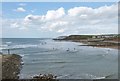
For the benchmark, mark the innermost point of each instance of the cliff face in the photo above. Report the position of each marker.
(11, 65)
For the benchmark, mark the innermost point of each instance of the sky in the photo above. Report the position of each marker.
(53, 19)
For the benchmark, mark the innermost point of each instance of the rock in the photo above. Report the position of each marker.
(11, 66)
(48, 77)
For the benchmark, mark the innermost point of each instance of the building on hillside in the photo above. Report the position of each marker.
(104, 36)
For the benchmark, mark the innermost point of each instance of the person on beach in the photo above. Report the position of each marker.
(68, 49)
(53, 48)
(74, 48)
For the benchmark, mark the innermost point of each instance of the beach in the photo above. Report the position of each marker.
(103, 41)
(101, 44)
(68, 40)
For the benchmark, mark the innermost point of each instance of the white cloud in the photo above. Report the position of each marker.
(61, 30)
(55, 14)
(20, 9)
(23, 28)
(22, 4)
(32, 11)
(77, 20)
(14, 25)
(78, 11)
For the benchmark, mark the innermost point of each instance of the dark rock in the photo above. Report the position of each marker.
(11, 66)
(48, 77)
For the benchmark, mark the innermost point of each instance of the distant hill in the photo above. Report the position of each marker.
(84, 37)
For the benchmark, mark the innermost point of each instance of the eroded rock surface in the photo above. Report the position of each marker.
(11, 66)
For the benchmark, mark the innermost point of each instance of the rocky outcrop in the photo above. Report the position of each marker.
(11, 66)
(48, 77)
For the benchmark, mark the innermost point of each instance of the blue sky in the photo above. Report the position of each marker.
(30, 19)
(42, 7)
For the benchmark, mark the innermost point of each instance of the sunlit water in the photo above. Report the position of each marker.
(65, 59)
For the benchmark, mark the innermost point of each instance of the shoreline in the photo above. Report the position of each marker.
(96, 44)
(103, 41)
(100, 45)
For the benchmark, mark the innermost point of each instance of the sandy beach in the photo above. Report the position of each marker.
(101, 44)
(104, 41)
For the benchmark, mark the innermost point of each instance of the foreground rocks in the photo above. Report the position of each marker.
(11, 66)
(48, 77)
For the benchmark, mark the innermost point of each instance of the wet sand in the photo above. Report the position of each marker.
(101, 44)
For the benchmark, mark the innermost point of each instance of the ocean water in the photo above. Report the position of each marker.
(65, 59)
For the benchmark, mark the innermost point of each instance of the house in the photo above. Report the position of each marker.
(109, 36)
(104, 36)
(96, 36)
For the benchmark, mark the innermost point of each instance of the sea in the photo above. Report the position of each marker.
(65, 59)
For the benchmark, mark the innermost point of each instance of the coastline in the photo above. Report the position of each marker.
(96, 44)
(39, 76)
(102, 41)
(100, 45)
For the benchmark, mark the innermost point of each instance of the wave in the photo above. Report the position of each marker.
(8, 42)
(39, 62)
(25, 46)
(86, 76)
(59, 62)
(22, 46)
(99, 77)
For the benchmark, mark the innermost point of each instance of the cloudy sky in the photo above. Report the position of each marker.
(46, 20)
